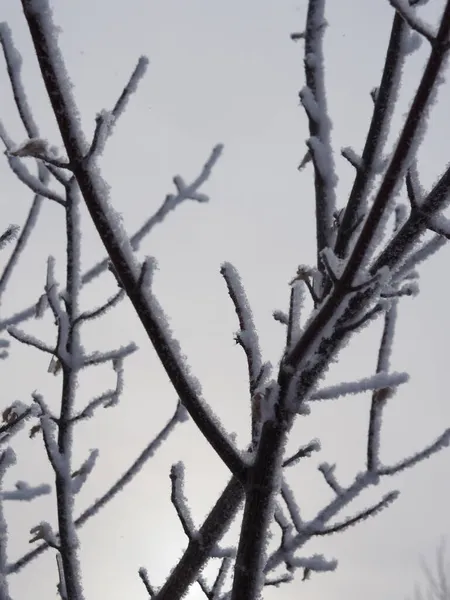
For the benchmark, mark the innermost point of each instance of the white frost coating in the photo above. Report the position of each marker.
(80, 476)
(179, 499)
(419, 256)
(315, 563)
(409, 14)
(296, 306)
(247, 335)
(58, 461)
(32, 182)
(443, 441)
(352, 157)
(292, 505)
(322, 160)
(375, 382)
(309, 103)
(269, 401)
(43, 531)
(24, 492)
(336, 264)
(327, 471)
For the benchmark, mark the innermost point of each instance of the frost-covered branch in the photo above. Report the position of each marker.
(113, 236)
(381, 380)
(385, 502)
(313, 98)
(247, 337)
(407, 13)
(146, 581)
(380, 395)
(303, 452)
(178, 417)
(443, 441)
(385, 100)
(107, 399)
(7, 459)
(179, 501)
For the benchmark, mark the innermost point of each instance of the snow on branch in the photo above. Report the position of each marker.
(327, 471)
(25, 493)
(143, 574)
(32, 182)
(105, 120)
(378, 381)
(443, 441)
(303, 452)
(30, 340)
(315, 563)
(133, 470)
(79, 477)
(8, 235)
(171, 202)
(385, 502)
(13, 61)
(247, 337)
(407, 12)
(179, 501)
(99, 358)
(313, 98)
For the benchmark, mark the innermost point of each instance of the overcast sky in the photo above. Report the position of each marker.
(224, 72)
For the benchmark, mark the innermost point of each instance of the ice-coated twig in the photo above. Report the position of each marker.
(276, 581)
(7, 459)
(146, 581)
(113, 236)
(350, 155)
(303, 452)
(25, 492)
(386, 501)
(51, 446)
(32, 182)
(291, 505)
(443, 441)
(99, 358)
(21, 242)
(44, 531)
(425, 251)
(296, 300)
(107, 399)
(314, 563)
(118, 486)
(13, 61)
(404, 9)
(170, 203)
(14, 422)
(30, 340)
(247, 336)
(384, 103)
(219, 581)
(380, 380)
(179, 501)
(380, 395)
(90, 315)
(329, 476)
(79, 477)
(105, 121)
(62, 590)
(313, 98)
(8, 235)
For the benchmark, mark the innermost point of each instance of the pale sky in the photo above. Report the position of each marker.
(223, 72)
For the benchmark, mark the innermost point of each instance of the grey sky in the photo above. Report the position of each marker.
(225, 72)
